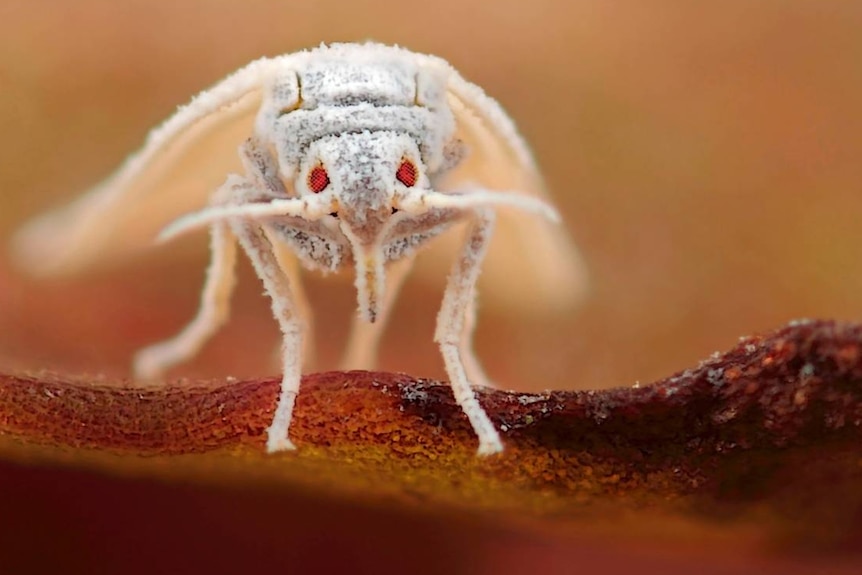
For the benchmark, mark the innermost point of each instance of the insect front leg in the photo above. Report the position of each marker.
(257, 246)
(361, 351)
(291, 268)
(262, 169)
(451, 332)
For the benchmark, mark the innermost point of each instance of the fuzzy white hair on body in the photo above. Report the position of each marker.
(343, 156)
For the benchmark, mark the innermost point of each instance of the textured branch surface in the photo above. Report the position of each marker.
(768, 433)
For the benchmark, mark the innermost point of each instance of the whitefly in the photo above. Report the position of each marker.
(348, 156)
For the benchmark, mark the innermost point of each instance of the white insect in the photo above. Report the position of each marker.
(351, 155)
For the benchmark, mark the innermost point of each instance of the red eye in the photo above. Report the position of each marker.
(407, 173)
(318, 179)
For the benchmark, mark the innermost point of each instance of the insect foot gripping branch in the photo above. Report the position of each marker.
(343, 155)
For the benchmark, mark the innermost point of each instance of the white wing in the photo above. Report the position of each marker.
(532, 265)
(182, 162)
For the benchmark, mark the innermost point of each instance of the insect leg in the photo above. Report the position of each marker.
(450, 332)
(214, 309)
(257, 246)
(472, 366)
(290, 266)
(361, 352)
(262, 167)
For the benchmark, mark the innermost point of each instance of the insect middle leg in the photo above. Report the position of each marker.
(472, 366)
(452, 335)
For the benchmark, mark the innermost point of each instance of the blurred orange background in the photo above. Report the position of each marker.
(705, 157)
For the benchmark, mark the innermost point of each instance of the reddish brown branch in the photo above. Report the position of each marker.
(775, 420)
(799, 385)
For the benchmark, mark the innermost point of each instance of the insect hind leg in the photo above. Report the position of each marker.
(151, 362)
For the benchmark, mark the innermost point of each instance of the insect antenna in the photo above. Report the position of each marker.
(307, 208)
(421, 201)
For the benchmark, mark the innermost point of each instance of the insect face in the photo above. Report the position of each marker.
(363, 177)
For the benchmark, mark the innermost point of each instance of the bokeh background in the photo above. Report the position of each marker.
(705, 157)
